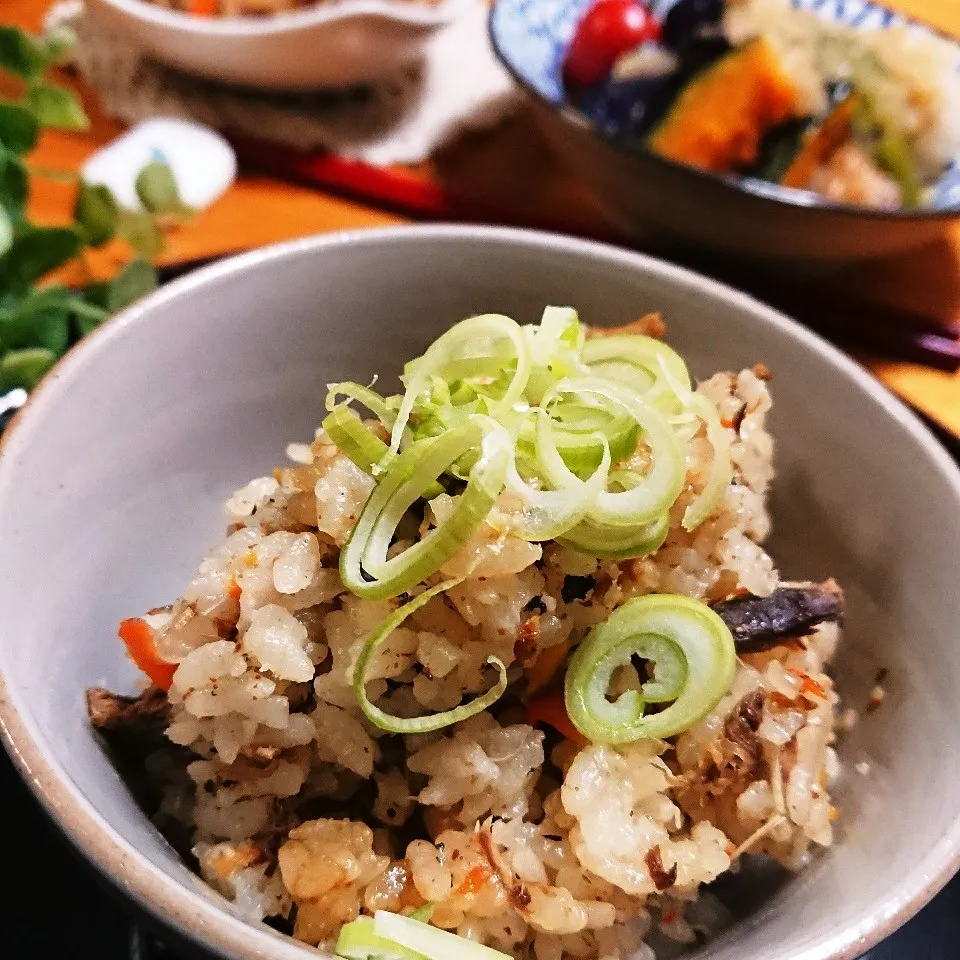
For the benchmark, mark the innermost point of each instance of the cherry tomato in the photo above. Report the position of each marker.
(610, 28)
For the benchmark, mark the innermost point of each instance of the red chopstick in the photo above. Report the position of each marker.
(852, 323)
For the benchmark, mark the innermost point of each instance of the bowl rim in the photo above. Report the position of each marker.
(417, 13)
(770, 194)
(196, 911)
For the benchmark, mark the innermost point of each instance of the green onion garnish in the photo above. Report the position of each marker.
(552, 421)
(436, 721)
(392, 936)
(359, 941)
(694, 660)
(364, 567)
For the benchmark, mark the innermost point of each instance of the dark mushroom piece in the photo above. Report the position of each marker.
(133, 726)
(758, 623)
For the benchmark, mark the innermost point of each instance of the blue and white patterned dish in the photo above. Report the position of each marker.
(531, 37)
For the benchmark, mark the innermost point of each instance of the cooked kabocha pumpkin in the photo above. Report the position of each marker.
(719, 119)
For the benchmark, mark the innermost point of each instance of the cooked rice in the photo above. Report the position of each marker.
(532, 844)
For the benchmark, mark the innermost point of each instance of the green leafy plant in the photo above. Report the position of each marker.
(39, 320)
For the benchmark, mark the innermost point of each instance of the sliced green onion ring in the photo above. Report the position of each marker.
(576, 425)
(643, 363)
(555, 345)
(662, 483)
(721, 469)
(694, 658)
(358, 941)
(359, 445)
(429, 941)
(353, 439)
(617, 543)
(453, 345)
(547, 514)
(401, 485)
(437, 721)
(367, 396)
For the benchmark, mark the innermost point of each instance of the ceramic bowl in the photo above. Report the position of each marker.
(113, 476)
(641, 193)
(330, 45)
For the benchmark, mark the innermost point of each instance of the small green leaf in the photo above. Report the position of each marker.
(18, 128)
(40, 319)
(96, 213)
(6, 231)
(56, 107)
(88, 316)
(13, 185)
(20, 54)
(23, 368)
(157, 188)
(36, 251)
(58, 44)
(137, 279)
(142, 233)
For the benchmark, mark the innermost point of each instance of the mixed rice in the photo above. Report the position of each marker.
(510, 827)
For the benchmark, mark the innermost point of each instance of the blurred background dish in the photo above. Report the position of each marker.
(704, 118)
(248, 8)
(319, 45)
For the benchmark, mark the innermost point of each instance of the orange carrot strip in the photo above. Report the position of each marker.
(234, 590)
(473, 882)
(809, 685)
(551, 710)
(140, 640)
(545, 667)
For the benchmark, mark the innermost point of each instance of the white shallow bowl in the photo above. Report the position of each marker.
(111, 484)
(334, 44)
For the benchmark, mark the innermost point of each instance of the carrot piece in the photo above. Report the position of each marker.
(821, 144)
(140, 640)
(203, 8)
(808, 684)
(551, 710)
(473, 882)
(545, 667)
(234, 590)
(250, 558)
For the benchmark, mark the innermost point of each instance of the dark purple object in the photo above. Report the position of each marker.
(627, 108)
(689, 19)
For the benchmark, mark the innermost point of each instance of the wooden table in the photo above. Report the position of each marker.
(507, 163)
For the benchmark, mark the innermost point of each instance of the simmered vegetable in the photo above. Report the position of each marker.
(718, 121)
(821, 142)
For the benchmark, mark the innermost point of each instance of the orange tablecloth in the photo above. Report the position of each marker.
(506, 163)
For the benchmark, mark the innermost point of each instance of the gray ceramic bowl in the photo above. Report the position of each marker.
(641, 193)
(111, 482)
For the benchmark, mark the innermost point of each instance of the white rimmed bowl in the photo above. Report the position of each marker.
(112, 477)
(337, 44)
